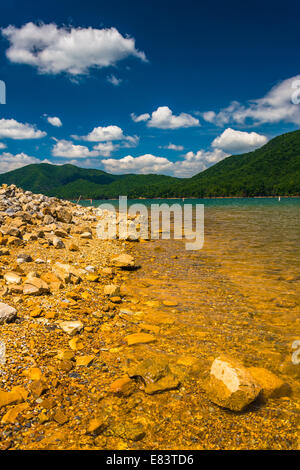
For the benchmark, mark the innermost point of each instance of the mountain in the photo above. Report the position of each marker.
(271, 170)
(69, 182)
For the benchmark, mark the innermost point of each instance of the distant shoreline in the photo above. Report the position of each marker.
(192, 197)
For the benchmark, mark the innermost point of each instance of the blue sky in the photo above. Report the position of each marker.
(145, 87)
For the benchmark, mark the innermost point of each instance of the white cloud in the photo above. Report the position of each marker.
(53, 50)
(108, 134)
(2, 146)
(277, 105)
(54, 121)
(12, 129)
(163, 118)
(171, 146)
(9, 162)
(191, 164)
(66, 149)
(239, 142)
(140, 118)
(143, 164)
(105, 149)
(194, 163)
(114, 80)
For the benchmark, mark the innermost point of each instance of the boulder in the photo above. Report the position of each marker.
(231, 385)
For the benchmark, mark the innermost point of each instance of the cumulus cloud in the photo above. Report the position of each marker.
(171, 146)
(54, 121)
(277, 105)
(114, 80)
(53, 50)
(105, 149)
(191, 163)
(9, 162)
(195, 162)
(12, 129)
(66, 149)
(163, 118)
(143, 164)
(239, 142)
(109, 134)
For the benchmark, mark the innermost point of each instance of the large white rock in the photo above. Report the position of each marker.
(7, 313)
(231, 385)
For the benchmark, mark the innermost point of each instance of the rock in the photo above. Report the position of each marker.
(24, 258)
(16, 395)
(65, 355)
(86, 235)
(39, 261)
(67, 273)
(58, 243)
(35, 286)
(48, 219)
(52, 280)
(170, 303)
(134, 431)
(4, 252)
(71, 327)
(29, 237)
(123, 387)
(112, 290)
(75, 344)
(84, 360)
(60, 233)
(271, 385)
(123, 261)
(92, 277)
(73, 247)
(231, 385)
(60, 417)
(90, 269)
(139, 338)
(12, 278)
(33, 373)
(7, 313)
(97, 425)
(115, 300)
(13, 413)
(63, 215)
(37, 388)
(155, 375)
(66, 365)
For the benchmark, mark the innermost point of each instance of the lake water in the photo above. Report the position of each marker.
(239, 296)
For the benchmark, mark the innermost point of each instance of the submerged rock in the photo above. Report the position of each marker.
(155, 375)
(272, 386)
(231, 385)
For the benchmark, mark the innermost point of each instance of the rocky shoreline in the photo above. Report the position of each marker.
(77, 368)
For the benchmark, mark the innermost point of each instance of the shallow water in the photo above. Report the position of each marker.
(239, 295)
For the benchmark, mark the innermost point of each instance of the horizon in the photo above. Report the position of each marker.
(129, 95)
